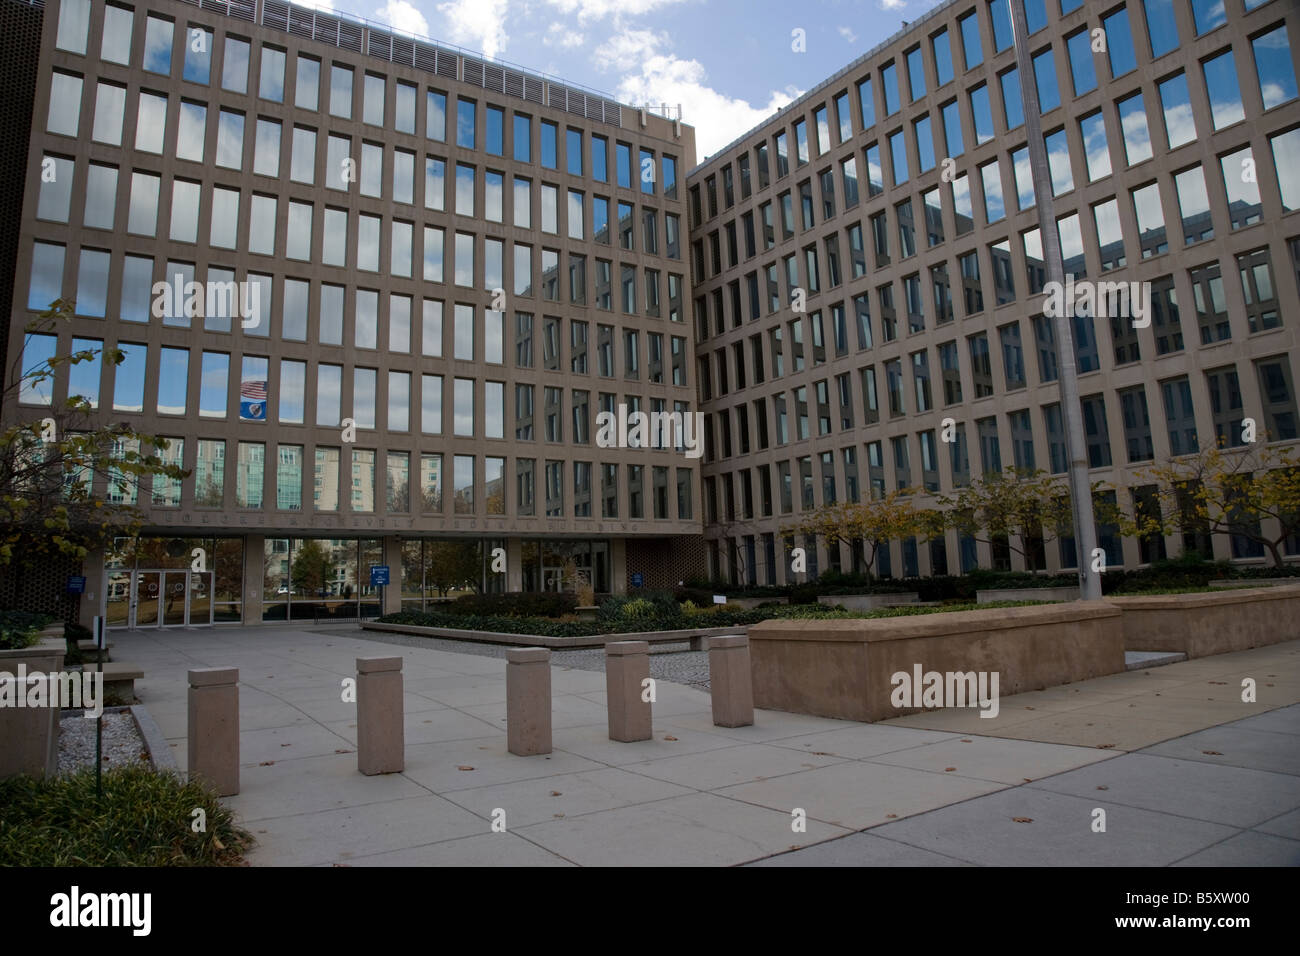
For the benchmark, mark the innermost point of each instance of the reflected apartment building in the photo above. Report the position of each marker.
(899, 197)
(432, 272)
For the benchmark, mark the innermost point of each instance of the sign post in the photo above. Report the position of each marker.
(379, 579)
(97, 631)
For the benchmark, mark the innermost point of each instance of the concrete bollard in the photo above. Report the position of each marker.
(528, 701)
(731, 681)
(627, 665)
(381, 728)
(214, 728)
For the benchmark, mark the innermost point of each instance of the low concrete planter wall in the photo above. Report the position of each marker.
(1202, 624)
(749, 603)
(842, 668)
(537, 640)
(867, 602)
(1027, 594)
(29, 736)
(1254, 583)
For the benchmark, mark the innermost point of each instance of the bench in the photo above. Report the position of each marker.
(119, 679)
(90, 653)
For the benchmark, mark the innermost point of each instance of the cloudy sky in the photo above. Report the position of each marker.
(730, 63)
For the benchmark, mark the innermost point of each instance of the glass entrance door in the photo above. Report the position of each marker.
(175, 595)
(146, 598)
(158, 598)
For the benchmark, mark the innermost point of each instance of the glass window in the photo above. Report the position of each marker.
(1012, 106)
(435, 115)
(889, 86)
(110, 102)
(1119, 42)
(1225, 95)
(1000, 14)
(1208, 15)
(1273, 67)
(981, 114)
(270, 84)
(1049, 93)
(1058, 161)
(972, 49)
(250, 474)
(431, 404)
(916, 73)
(1079, 49)
(1180, 123)
(306, 87)
(198, 53)
(1193, 205)
(157, 45)
(234, 65)
(1162, 26)
(1092, 130)
(340, 91)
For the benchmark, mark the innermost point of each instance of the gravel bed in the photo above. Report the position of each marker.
(123, 744)
(674, 662)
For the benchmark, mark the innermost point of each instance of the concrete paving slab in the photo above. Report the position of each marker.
(769, 725)
(313, 784)
(1084, 729)
(437, 765)
(1234, 796)
(1283, 721)
(489, 849)
(742, 763)
(857, 741)
(593, 743)
(1058, 832)
(860, 849)
(991, 758)
(1286, 825)
(1233, 745)
(1247, 849)
(860, 794)
(361, 831)
(701, 829)
(565, 795)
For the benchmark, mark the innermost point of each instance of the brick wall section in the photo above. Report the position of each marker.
(20, 51)
(42, 589)
(666, 561)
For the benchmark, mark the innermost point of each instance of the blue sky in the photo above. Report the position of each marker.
(663, 51)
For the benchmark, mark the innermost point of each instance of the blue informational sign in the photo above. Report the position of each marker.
(378, 575)
(638, 579)
(76, 584)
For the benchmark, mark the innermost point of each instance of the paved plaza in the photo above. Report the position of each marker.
(1185, 771)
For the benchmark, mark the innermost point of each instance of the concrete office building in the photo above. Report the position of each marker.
(372, 193)
(463, 262)
(898, 196)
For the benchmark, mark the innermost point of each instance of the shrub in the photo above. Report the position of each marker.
(515, 604)
(19, 629)
(143, 819)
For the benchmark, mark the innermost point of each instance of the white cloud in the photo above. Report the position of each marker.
(598, 9)
(627, 48)
(848, 34)
(892, 4)
(478, 24)
(403, 17)
(566, 38)
(652, 77)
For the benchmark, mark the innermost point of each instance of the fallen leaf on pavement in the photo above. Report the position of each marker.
(464, 767)
(267, 763)
(1022, 819)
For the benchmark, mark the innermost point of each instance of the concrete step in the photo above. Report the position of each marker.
(1141, 660)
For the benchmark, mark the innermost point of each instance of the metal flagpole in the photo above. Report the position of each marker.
(1085, 531)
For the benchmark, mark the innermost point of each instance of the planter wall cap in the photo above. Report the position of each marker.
(729, 640)
(526, 655)
(1206, 598)
(376, 665)
(213, 676)
(626, 648)
(872, 630)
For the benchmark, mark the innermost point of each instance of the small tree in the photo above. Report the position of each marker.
(68, 483)
(1017, 504)
(312, 569)
(452, 564)
(871, 523)
(1230, 491)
